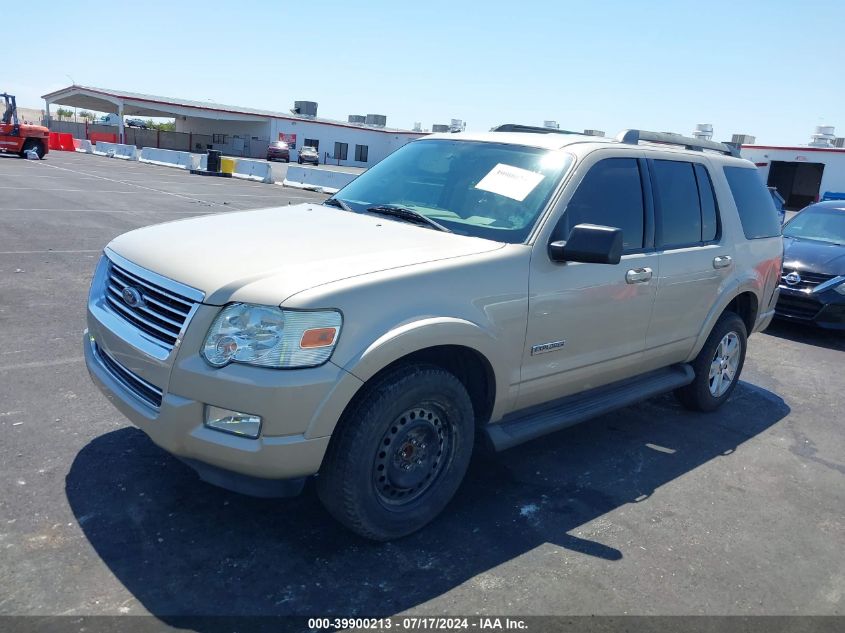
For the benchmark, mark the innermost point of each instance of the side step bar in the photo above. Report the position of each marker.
(535, 422)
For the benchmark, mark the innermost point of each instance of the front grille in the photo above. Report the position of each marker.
(161, 314)
(808, 281)
(139, 387)
(797, 307)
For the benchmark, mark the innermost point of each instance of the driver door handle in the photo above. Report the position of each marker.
(722, 261)
(638, 275)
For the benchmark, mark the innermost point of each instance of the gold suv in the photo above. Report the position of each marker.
(502, 285)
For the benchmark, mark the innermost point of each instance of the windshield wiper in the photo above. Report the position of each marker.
(337, 202)
(406, 213)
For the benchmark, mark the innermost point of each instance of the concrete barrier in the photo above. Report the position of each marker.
(83, 145)
(169, 158)
(257, 170)
(104, 148)
(315, 179)
(126, 152)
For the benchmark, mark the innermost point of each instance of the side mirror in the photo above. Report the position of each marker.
(589, 243)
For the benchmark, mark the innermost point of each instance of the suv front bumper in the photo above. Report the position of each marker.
(223, 459)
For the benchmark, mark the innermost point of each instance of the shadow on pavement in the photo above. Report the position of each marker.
(183, 547)
(807, 334)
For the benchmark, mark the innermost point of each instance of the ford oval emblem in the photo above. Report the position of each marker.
(792, 278)
(132, 297)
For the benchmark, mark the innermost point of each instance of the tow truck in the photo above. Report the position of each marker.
(20, 139)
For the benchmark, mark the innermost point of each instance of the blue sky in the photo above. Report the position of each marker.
(772, 69)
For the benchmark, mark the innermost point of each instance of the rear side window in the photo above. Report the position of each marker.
(753, 202)
(709, 221)
(611, 194)
(679, 210)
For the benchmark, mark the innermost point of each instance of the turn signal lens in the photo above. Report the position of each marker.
(318, 337)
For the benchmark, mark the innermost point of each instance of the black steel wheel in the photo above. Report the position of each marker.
(399, 452)
(412, 454)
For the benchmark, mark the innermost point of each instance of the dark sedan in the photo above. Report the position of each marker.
(278, 151)
(812, 287)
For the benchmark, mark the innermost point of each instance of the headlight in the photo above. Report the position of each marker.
(267, 336)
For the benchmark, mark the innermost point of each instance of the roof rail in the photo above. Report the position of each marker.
(633, 137)
(533, 129)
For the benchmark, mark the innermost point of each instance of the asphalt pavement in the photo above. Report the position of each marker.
(648, 510)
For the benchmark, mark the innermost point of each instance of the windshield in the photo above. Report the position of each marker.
(823, 225)
(490, 190)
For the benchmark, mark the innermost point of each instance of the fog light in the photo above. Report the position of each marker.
(234, 422)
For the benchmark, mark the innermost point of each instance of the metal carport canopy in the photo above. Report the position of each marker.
(133, 103)
(125, 103)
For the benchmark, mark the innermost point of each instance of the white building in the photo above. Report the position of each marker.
(241, 131)
(802, 174)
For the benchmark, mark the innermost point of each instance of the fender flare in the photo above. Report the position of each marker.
(418, 335)
(736, 288)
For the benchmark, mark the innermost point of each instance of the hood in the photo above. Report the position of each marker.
(30, 129)
(267, 255)
(818, 257)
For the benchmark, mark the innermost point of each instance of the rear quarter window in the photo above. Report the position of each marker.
(757, 212)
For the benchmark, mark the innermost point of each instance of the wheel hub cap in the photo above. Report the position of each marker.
(724, 364)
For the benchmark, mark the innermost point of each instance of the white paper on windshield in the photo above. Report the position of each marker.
(510, 181)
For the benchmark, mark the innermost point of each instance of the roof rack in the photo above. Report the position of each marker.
(533, 129)
(633, 137)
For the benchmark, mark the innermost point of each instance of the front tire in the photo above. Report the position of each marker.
(399, 453)
(717, 366)
(32, 144)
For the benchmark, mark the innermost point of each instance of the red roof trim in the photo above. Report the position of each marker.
(256, 114)
(797, 149)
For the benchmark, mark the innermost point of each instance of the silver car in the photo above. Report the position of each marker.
(308, 155)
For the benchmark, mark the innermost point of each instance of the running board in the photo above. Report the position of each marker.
(535, 422)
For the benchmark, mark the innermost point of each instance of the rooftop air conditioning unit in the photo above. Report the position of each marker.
(439, 128)
(305, 108)
(594, 132)
(823, 137)
(457, 125)
(703, 131)
(379, 120)
(839, 142)
(743, 139)
(552, 125)
(357, 118)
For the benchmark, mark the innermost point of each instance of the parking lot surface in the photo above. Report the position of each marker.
(648, 510)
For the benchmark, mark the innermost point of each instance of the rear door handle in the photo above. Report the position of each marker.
(638, 275)
(722, 261)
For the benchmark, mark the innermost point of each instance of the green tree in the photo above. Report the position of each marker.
(86, 115)
(63, 113)
(164, 126)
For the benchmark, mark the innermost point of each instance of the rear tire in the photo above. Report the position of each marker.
(32, 144)
(717, 366)
(399, 453)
